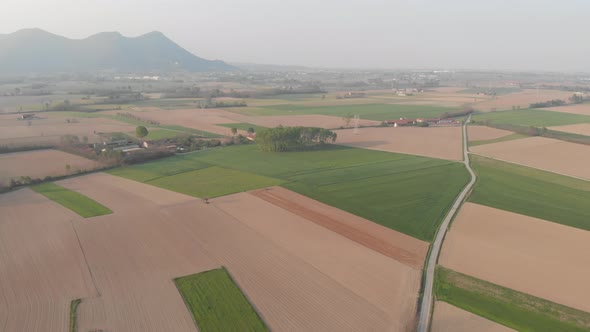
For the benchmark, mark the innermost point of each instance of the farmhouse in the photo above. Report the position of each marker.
(402, 122)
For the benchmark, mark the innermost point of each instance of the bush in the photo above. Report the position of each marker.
(283, 139)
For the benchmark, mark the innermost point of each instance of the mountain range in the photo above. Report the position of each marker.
(31, 51)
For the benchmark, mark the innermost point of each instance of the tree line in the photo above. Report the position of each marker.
(282, 139)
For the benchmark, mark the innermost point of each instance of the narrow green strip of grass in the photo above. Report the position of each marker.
(74, 314)
(242, 126)
(497, 140)
(217, 303)
(72, 200)
(508, 307)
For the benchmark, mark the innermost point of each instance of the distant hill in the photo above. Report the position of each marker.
(36, 51)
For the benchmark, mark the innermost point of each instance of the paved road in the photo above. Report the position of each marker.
(426, 306)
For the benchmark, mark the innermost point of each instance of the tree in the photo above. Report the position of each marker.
(251, 131)
(68, 168)
(234, 131)
(141, 131)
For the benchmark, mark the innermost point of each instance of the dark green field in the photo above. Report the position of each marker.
(379, 112)
(217, 304)
(407, 193)
(514, 309)
(72, 200)
(531, 117)
(531, 192)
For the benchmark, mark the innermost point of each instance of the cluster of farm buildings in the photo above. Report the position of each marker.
(433, 122)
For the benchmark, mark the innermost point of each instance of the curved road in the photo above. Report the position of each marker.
(426, 306)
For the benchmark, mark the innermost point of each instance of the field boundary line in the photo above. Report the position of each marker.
(85, 259)
(523, 165)
(426, 306)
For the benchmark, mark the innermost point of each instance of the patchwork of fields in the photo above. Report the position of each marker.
(397, 191)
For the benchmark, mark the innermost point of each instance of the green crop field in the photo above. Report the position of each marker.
(217, 303)
(242, 126)
(407, 193)
(531, 117)
(531, 192)
(508, 307)
(213, 182)
(379, 112)
(72, 200)
(497, 140)
(157, 134)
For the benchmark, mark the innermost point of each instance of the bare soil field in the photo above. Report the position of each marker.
(312, 120)
(51, 127)
(580, 129)
(583, 109)
(544, 153)
(288, 276)
(43, 267)
(450, 318)
(483, 133)
(436, 142)
(41, 163)
(201, 119)
(526, 254)
(393, 244)
(523, 99)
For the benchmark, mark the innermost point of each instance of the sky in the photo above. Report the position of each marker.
(388, 34)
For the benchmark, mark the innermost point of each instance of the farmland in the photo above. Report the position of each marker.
(217, 304)
(508, 137)
(531, 117)
(378, 112)
(531, 192)
(74, 201)
(508, 307)
(41, 163)
(241, 126)
(174, 235)
(450, 318)
(362, 182)
(527, 254)
(543, 153)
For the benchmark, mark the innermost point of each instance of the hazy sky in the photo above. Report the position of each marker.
(452, 34)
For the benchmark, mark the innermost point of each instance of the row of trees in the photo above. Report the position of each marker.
(549, 103)
(282, 139)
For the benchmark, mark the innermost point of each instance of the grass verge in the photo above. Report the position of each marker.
(508, 307)
(72, 200)
(217, 303)
(74, 314)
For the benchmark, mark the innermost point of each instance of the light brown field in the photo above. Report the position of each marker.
(543, 153)
(526, 254)
(41, 163)
(436, 142)
(450, 318)
(522, 98)
(386, 241)
(278, 258)
(41, 264)
(583, 109)
(580, 128)
(483, 133)
(201, 119)
(312, 120)
(51, 127)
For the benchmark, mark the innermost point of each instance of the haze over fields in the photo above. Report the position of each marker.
(336, 169)
(515, 35)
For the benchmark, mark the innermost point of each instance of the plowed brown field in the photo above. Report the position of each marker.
(42, 266)
(386, 241)
(583, 109)
(523, 99)
(51, 127)
(543, 153)
(436, 142)
(297, 274)
(482, 133)
(526, 254)
(581, 129)
(41, 163)
(450, 318)
(312, 120)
